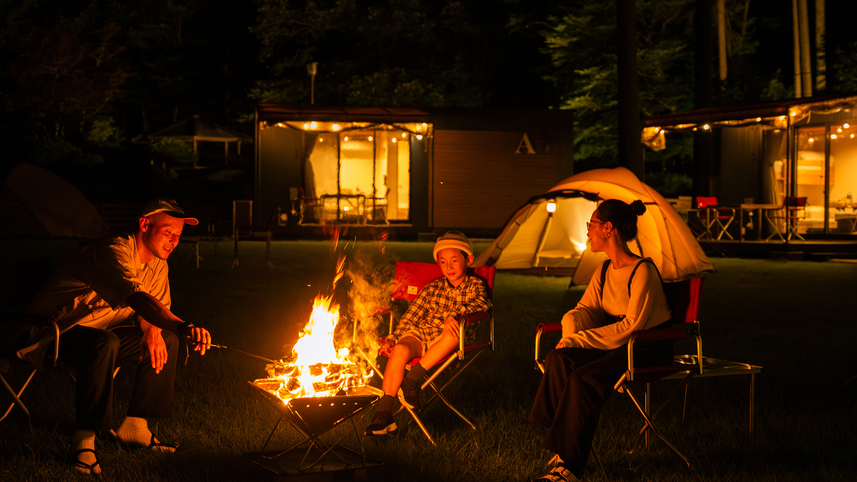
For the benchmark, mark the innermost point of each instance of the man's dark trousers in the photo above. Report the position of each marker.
(95, 353)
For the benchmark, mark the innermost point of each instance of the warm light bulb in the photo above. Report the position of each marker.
(551, 207)
(793, 113)
(404, 134)
(833, 136)
(852, 136)
(306, 126)
(706, 127)
(320, 139)
(313, 125)
(394, 140)
(758, 119)
(346, 138)
(839, 130)
(370, 138)
(335, 127)
(811, 139)
(845, 125)
(419, 137)
(418, 127)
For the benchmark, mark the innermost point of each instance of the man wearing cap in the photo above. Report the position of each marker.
(429, 329)
(112, 304)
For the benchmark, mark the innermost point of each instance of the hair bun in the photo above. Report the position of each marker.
(638, 207)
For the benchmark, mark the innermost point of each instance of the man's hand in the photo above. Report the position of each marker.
(451, 327)
(153, 343)
(200, 338)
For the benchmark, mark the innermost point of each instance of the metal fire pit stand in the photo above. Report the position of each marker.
(312, 417)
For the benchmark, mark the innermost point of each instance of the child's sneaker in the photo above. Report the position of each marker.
(382, 424)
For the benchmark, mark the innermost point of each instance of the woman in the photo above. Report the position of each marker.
(592, 354)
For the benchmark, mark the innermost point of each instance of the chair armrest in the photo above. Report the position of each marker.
(49, 322)
(468, 318)
(541, 329)
(677, 332)
(474, 317)
(663, 334)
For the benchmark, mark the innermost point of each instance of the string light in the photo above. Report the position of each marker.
(313, 125)
(833, 136)
(370, 138)
(346, 138)
(845, 125)
(306, 126)
(419, 137)
(706, 127)
(404, 134)
(394, 140)
(335, 127)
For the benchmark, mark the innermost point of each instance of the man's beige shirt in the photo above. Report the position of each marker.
(91, 289)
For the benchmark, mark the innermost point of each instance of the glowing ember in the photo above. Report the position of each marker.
(316, 368)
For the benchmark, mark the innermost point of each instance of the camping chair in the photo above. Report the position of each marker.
(683, 298)
(410, 278)
(789, 214)
(19, 282)
(719, 217)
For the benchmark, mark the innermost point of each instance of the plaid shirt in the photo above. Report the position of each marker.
(438, 301)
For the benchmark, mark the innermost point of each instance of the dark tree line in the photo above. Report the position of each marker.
(108, 69)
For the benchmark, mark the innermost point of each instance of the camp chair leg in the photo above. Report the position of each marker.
(16, 396)
(419, 422)
(452, 378)
(655, 430)
(451, 407)
(644, 430)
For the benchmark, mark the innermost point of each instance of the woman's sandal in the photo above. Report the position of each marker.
(76, 463)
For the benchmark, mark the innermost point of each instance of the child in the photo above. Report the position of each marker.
(429, 329)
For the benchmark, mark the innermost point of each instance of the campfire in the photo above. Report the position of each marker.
(316, 368)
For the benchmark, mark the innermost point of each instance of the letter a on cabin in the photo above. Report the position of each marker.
(525, 144)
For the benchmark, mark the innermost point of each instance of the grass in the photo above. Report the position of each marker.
(794, 318)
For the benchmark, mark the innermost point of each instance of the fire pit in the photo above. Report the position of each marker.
(316, 389)
(312, 417)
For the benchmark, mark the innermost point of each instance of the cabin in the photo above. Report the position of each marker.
(787, 168)
(406, 169)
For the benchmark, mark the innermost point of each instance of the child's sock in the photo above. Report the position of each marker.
(386, 403)
(413, 377)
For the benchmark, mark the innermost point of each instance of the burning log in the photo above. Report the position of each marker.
(316, 368)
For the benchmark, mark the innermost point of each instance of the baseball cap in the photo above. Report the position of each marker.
(168, 207)
(453, 239)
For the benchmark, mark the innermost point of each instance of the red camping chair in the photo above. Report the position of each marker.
(410, 278)
(713, 217)
(683, 298)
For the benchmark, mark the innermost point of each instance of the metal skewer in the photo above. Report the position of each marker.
(212, 345)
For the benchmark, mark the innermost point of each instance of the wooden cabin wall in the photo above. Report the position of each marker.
(478, 179)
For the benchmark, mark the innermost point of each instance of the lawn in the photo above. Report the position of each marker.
(797, 319)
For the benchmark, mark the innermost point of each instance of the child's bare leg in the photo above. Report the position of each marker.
(439, 350)
(403, 352)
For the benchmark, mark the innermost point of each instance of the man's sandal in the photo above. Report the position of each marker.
(79, 466)
(160, 446)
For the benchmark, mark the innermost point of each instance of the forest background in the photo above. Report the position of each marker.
(82, 82)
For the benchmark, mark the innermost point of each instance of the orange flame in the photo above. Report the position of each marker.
(317, 368)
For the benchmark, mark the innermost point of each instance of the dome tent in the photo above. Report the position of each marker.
(549, 232)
